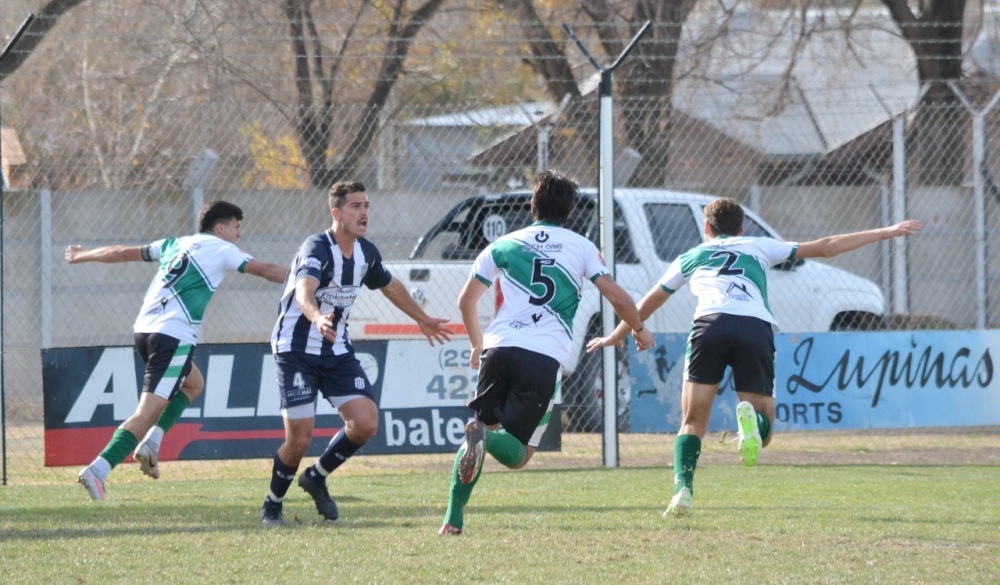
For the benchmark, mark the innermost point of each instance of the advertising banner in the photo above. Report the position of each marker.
(421, 390)
(834, 381)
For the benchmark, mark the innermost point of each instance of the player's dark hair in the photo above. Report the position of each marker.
(724, 217)
(340, 191)
(553, 197)
(215, 212)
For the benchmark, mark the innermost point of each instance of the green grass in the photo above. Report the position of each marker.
(770, 524)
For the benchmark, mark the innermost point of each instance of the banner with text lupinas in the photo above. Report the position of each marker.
(830, 381)
(421, 391)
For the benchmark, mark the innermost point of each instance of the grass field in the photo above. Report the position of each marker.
(769, 524)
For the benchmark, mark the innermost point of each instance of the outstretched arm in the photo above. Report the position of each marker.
(433, 328)
(625, 308)
(648, 305)
(267, 271)
(831, 246)
(106, 254)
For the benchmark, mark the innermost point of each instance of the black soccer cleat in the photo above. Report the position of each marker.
(325, 505)
(270, 514)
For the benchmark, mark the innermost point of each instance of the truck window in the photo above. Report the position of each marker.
(590, 229)
(673, 228)
(493, 221)
(753, 229)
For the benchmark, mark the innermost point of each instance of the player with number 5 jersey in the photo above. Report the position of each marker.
(540, 271)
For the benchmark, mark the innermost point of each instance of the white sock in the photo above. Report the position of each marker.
(101, 468)
(153, 437)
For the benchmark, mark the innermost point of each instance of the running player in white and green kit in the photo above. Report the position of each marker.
(191, 268)
(733, 326)
(540, 270)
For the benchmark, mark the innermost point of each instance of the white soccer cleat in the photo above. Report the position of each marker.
(471, 461)
(148, 459)
(94, 485)
(750, 442)
(680, 504)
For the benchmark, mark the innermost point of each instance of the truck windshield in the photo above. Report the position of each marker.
(673, 228)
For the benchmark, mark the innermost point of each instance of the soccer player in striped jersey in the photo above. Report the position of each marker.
(540, 270)
(313, 353)
(191, 268)
(733, 326)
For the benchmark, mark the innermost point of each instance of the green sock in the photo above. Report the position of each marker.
(687, 449)
(504, 447)
(121, 444)
(458, 495)
(173, 411)
(763, 425)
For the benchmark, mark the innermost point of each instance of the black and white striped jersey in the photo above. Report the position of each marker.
(340, 280)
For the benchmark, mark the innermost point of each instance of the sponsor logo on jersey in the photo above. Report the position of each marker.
(311, 262)
(543, 247)
(337, 296)
(741, 295)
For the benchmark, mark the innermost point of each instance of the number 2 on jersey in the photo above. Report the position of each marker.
(727, 266)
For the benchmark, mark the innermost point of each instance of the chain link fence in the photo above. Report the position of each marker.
(814, 168)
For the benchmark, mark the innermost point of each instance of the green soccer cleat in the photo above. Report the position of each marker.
(680, 504)
(750, 442)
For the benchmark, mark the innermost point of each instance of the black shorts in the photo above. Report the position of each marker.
(168, 362)
(302, 376)
(746, 344)
(515, 389)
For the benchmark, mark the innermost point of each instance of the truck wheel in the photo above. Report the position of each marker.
(582, 397)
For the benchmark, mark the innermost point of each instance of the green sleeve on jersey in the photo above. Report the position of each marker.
(795, 250)
(667, 290)
(596, 276)
(244, 265)
(483, 280)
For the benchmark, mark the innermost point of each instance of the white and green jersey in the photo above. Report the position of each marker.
(191, 269)
(539, 272)
(729, 275)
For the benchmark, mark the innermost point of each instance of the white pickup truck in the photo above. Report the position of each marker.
(652, 227)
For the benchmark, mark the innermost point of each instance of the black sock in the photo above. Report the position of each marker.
(337, 452)
(281, 478)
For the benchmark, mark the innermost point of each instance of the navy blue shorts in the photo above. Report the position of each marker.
(302, 376)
